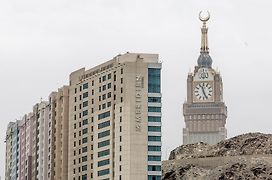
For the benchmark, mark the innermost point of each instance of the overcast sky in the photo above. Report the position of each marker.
(41, 42)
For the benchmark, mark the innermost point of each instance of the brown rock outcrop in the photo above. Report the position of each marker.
(247, 156)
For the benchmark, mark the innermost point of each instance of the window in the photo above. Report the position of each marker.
(109, 85)
(85, 140)
(104, 78)
(154, 138)
(104, 87)
(121, 90)
(85, 103)
(154, 148)
(103, 172)
(122, 71)
(154, 158)
(103, 96)
(109, 104)
(104, 106)
(103, 124)
(84, 158)
(154, 80)
(75, 90)
(103, 163)
(109, 94)
(154, 177)
(92, 82)
(85, 131)
(84, 177)
(103, 143)
(104, 115)
(85, 94)
(154, 99)
(154, 119)
(154, 128)
(84, 168)
(104, 134)
(154, 109)
(84, 122)
(85, 113)
(84, 149)
(85, 86)
(121, 80)
(103, 153)
(109, 76)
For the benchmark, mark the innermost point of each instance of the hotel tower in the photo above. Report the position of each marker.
(115, 120)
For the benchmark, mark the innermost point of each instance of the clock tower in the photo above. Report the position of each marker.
(204, 111)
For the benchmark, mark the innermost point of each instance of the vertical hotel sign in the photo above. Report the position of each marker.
(138, 103)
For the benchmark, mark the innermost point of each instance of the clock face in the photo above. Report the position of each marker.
(203, 91)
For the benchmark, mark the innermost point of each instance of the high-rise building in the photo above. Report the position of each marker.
(58, 129)
(9, 145)
(115, 120)
(18, 149)
(204, 111)
(42, 140)
(22, 148)
(15, 152)
(28, 146)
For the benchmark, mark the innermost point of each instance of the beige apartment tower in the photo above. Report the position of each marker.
(58, 134)
(205, 112)
(115, 120)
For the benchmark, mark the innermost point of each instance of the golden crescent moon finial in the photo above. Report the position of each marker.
(204, 19)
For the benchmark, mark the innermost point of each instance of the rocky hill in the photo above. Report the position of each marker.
(247, 156)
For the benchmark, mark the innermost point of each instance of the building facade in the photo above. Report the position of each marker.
(42, 140)
(9, 144)
(110, 135)
(205, 112)
(15, 151)
(58, 134)
(105, 125)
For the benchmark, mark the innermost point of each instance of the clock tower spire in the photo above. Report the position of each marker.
(204, 59)
(204, 111)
